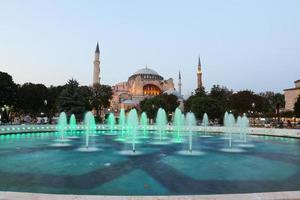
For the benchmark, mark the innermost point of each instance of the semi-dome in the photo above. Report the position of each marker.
(147, 73)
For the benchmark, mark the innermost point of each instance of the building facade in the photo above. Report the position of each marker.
(291, 95)
(143, 83)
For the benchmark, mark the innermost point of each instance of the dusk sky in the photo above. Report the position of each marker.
(252, 44)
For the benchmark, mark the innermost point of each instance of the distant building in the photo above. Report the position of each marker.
(143, 83)
(291, 95)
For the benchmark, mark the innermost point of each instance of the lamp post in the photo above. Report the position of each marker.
(277, 112)
(253, 107)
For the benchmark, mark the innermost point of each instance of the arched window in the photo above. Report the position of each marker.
(152, 90)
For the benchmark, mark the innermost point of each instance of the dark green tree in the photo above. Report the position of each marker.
(87, 94)
(209, 105)
(8, 90)
(165, 101)
(31, 99)
(297, 107)
(151, 106)
(170, 102)
(101, 96)
(244, 101)
(52, 99)
(199, 92)
(71, 101)
(222, 94)
(274, 101)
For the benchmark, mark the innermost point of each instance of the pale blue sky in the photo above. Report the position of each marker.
(250, 44)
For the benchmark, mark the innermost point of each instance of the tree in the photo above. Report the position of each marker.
(244, 101)
(71, 101)
(170, 102)
(52, 99)
(165, 101)
(274, 101)
(199, 92)
(31, 98)
(222, 95)
(209, 105)
(8, 90)
(297, 107)
(87, 94)
(101, 96)
(151, 106)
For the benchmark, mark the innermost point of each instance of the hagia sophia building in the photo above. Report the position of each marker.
(143, 83)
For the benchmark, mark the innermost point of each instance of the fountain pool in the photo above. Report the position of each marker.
(93, 161)
(28, 163)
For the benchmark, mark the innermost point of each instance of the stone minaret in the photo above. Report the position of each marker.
(199, 75)
(96, 73)
(179, 83)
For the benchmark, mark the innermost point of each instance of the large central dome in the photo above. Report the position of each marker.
(146, 73)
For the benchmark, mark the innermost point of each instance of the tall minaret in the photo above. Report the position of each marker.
(96, 73)
(179, 83)
(199, 75)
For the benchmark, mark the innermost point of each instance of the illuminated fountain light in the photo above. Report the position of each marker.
(90, 124)
(62, 128)
(72, 127)
(190, 123)
(111, 121)
(122, 126)
(205, 124)
(178, 123)
(161, 125)
(144, 121)
(244, 129)
(132, 126)
(229, 126)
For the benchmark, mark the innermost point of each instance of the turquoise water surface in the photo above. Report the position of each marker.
(30, 163)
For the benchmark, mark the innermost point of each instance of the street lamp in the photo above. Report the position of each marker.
(253, 107)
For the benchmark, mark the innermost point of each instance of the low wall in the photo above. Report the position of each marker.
(295, 133)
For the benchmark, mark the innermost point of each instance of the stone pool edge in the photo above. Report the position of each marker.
(291, 195)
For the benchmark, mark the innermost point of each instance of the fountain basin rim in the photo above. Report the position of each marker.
(275, 132)
(247, 196)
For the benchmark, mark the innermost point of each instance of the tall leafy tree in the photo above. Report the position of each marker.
(52, 99)
(209, 105)
(31, 98)
(199, 92)
(8, 90)
(101, 96)
(222, 95)
(244, 101)
(87, 94)
(151, 106)
(165, 101)
(274, 101)
(71, 100)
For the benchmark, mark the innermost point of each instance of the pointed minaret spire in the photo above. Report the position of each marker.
(179, 83)
(199, 75)
(96, 72)
(97, 48)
